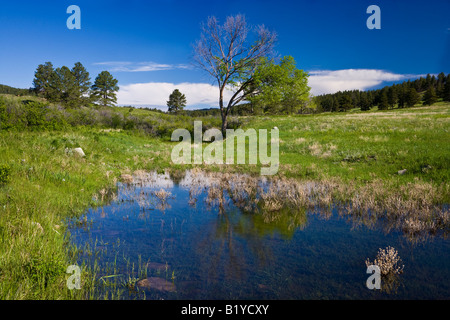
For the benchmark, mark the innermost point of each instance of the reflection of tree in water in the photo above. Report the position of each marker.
(176, 175)
(410, 209)
(235, 242)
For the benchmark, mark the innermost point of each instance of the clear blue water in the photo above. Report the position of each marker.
(216, 254)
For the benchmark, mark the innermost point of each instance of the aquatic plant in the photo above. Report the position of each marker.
(388, 261)
(410, 208)
(391, 267)
(162, 195)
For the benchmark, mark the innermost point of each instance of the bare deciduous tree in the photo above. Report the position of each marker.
(228, 54)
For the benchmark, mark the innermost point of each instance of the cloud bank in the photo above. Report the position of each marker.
(157, 93)
(325, 81)
(206, 95)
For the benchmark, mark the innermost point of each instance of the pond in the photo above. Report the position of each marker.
(193, 235)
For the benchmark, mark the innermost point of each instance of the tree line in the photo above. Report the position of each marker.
(16, 91)
(426, 90)
(73, 87)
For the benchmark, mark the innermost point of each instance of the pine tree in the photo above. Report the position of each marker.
(446, 90)
(440, 85)
(177, 101)
(430, 96)
(62, 88)
(402, 95)
(42, 78)
(412, 97)
(82, 82)
(384, 103)
(392, 97)
(345, 102)
(428, 81)
(335, 104)
(364, 103)
(104, 88)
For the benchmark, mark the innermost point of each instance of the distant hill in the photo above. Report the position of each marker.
(15, 91)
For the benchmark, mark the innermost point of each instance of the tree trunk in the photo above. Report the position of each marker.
(224, 124)
(223, 112)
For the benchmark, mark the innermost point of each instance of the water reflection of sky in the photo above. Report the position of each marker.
(217, 253)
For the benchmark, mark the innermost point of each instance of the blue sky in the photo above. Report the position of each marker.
(147, 45)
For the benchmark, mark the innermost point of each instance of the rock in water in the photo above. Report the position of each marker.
(157, 266)
(157, 284)
(79, 151)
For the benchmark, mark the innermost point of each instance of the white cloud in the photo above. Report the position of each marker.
(325, 81)
(126, 66)
(157, 94)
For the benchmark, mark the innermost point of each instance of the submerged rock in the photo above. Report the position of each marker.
(157, 266)
(157, 284)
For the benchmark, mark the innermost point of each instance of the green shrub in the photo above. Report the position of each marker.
(129, 124)
(5, 172)
(35, 115)
(65, 143)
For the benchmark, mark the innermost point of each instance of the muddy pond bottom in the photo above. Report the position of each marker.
(167, 236)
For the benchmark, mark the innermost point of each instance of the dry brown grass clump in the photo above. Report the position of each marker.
(410, 208)
(388, 261)
(126, 178)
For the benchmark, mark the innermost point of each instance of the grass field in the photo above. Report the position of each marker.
(48, 183)
(366, 146)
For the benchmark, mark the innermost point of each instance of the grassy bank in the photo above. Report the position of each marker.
(48, 183)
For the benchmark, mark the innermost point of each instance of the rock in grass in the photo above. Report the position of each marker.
(157, 284)
(79, 152)
(402, 172)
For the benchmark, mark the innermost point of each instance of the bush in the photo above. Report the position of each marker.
(5, 172)
(129, 124)
(3, 115)
(35, 115)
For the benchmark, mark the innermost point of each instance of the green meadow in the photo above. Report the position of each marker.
(367, 146)
(44, 183)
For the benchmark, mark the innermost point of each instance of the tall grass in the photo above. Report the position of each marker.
(365, 147)
(47, 185)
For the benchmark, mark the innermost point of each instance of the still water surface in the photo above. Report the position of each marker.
(204, 250)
